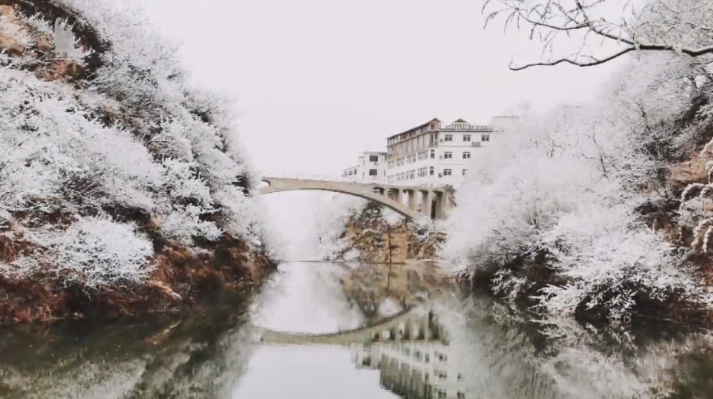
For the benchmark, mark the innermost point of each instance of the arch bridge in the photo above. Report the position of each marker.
(413, 202)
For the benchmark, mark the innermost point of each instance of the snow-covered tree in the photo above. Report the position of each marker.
(560, 198)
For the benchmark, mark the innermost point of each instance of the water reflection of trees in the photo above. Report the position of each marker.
(198, 357)
(501, 354)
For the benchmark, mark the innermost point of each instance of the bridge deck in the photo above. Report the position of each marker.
(360, 184)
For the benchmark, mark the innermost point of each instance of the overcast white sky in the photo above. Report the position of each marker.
(320, 80)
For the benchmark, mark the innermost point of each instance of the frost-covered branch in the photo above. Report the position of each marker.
(680, 26)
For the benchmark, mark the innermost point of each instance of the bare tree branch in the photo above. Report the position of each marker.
(657, 27)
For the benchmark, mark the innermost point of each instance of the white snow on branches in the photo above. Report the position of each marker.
(93, 252)
(566, 184)
(130, 137)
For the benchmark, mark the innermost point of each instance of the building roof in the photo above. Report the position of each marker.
(414, 128)
(465, 126)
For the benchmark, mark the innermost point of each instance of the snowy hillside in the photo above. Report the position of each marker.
(110, 163)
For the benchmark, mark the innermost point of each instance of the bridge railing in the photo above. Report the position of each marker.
(347, 179)
(319, 177)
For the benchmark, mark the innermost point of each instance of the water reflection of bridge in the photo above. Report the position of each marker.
(416, 324)
(410, 351)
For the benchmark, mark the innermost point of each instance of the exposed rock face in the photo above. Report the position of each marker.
(377, 240)
(123, 191)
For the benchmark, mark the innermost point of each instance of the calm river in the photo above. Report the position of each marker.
(448, 348)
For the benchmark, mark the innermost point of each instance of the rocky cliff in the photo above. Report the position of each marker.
(373, 236)
(123, 190)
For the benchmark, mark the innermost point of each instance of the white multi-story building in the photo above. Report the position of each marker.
(432, 154)
(370, 166)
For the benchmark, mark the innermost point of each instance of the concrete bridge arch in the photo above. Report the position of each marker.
(435, 201)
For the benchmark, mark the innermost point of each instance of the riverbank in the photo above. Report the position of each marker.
(183, 279)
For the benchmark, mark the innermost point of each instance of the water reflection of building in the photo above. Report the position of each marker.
(413, 361)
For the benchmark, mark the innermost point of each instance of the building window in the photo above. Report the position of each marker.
(442, 394)
(460, 395)
(466, 137)
(442, 356)
(466, 155)
(446, 172)
(433, 154)
(373, 172)
(465, 171)
(373, 158)
(430, 170)
(485, 137)
(427, 356)
(440, 374)
(448, 155)
(448, 137)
